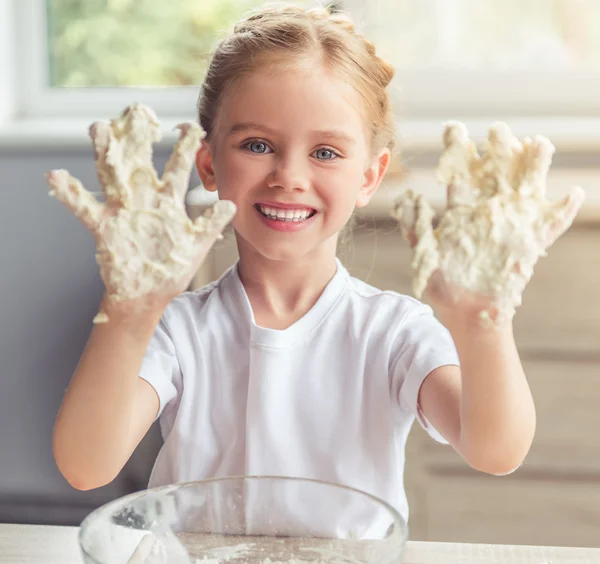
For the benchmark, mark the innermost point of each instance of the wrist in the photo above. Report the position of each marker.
(133, 315)
(474, 324)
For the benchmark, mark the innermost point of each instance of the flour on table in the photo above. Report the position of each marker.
(497, 222)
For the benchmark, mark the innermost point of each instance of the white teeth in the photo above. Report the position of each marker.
(285, 215)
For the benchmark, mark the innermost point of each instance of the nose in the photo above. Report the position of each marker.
(290, 172)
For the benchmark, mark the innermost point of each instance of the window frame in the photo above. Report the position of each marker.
(568, 99)
(39, 100)
(7, 61)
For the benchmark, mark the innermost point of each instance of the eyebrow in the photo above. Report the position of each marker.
(244, 126)
(249, 125)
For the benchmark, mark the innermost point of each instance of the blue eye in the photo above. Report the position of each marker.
(325, 154)
(259, 147)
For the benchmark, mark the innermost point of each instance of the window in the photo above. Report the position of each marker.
(473, 57)
(135, 42)
(495, 34)
(468, 59)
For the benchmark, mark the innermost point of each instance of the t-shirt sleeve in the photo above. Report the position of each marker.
(422, 345)
(160, 367)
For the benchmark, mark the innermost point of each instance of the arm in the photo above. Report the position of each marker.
(148, 251)
(107, 409)
(484, 409)
(473, 267)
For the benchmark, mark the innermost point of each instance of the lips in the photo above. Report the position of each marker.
(285, 217)
(293, 213)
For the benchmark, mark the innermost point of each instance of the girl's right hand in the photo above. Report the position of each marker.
(148, 249)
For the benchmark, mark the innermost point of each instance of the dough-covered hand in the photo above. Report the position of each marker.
(496, 225)
(148, 249)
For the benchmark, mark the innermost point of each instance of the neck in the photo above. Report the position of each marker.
(283, 291)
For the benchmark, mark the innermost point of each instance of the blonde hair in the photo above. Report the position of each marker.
(283, 35)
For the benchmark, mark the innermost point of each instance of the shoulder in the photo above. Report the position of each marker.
(194, 306)
(193, 300)
(387, 303)
(395, 323)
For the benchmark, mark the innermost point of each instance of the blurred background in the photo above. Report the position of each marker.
(532, 63)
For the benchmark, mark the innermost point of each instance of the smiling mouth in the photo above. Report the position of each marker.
(289, 216)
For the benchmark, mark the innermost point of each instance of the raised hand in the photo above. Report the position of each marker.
(496, 225)
(148, 249)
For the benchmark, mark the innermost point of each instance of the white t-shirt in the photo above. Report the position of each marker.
(332, 397)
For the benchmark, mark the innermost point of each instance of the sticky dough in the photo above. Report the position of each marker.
(497, 223)
(144, 238)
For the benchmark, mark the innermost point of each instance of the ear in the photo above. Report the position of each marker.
(373, 177)
(204, 165)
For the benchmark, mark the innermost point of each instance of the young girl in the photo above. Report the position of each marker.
(287, 365)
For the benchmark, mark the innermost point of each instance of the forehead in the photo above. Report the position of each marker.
(298, 99)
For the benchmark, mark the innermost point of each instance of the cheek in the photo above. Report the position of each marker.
(234, 176)
(343, 187)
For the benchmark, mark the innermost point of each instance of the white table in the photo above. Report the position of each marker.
(29, 544)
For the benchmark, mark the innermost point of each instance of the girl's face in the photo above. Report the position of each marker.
(291, 150)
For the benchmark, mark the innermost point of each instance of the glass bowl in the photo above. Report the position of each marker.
(266, 520)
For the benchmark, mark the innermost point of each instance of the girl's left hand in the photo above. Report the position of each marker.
(475, 264)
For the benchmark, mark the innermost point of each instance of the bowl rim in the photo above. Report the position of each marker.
(398, 519)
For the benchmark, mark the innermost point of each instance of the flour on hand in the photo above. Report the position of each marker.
(497, 223)
(144, 239)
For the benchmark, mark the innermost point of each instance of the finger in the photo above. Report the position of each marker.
(562, 213)
(107, 162)
(100, 135)
(452, 195)
(176, 178)
(416, 220)
(455, 133)
(210, 226)
(411, 237)
(72, 193)
(404, 211)
(426, 258)
(415, 216)
(538, 159)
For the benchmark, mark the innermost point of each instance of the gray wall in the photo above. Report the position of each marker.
(49, 293)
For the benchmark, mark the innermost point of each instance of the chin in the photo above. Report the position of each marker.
(286, 252)
(284, 247)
